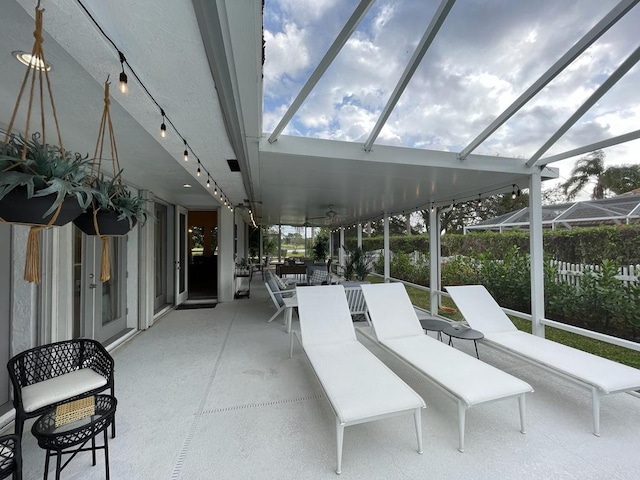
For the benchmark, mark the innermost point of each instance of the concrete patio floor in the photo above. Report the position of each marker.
(213, 394)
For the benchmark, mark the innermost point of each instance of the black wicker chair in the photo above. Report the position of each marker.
(54, 360)
(10, 457)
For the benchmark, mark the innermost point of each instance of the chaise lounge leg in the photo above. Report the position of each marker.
(595, 400)
(462, 411)
(339, 439)
(521, 406)
(418, 419)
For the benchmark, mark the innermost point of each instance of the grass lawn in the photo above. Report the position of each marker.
(420, 298)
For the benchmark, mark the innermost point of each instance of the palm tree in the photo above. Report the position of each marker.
(616, 178)
(584, 170)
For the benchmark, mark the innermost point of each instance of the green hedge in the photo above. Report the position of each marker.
(580, 245)
(600, 303)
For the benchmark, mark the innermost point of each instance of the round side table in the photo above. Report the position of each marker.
(463, 333)
(61, 440)
(432, 324)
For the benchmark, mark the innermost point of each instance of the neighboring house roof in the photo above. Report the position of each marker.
(617, 210)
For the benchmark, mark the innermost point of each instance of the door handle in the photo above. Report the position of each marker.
(93, 285)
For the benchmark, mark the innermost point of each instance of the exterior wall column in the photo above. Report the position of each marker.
(279, 242)
(226, 264)
(434, 260)
(387, 267)
(146, 269)
(359, 235)
(537, 253)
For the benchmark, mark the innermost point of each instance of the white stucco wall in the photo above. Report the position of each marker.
(24, 302)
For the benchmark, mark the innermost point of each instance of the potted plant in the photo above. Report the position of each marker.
(41, 184)
(359, 264)
(114, 211)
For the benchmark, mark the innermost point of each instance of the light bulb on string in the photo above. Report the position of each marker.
(124, 87)
(208, 182)
(198, 171)
(215, 189)
(163, 126)
(479, 200)
(186, 151)
(513, 192)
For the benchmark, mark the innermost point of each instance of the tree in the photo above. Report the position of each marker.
(471, 213)
(588, 168)
(614, 179)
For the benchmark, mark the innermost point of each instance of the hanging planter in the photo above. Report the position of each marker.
(108, 224)
(113, 210)
(41, 185)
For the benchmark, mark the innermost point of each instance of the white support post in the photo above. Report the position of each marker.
(537, 254)
(260, 250)
(434, 260)
(330, 243)
(341, 260)
(360, 235)
(387, 267)
(279, 242)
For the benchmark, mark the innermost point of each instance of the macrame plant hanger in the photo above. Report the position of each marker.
(32, 262)
(105, 270)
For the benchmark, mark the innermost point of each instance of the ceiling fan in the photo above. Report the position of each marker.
(330, 214)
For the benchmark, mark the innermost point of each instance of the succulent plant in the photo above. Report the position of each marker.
(46, 170)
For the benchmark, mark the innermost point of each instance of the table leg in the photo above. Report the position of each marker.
(106, 453)
(46, 465)
(58, 461)
(93, 446)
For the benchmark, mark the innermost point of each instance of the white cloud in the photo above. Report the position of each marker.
(485, 56)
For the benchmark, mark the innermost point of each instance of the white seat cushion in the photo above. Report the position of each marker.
(607, 375)
(358, 384)
(60, 388)
(467, 377)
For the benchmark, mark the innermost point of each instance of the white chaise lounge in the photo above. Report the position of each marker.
(467, 380)
(359, 387)
(600, 375)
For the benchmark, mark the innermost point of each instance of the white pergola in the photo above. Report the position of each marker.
(369, 181)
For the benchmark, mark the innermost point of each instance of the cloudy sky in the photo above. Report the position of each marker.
(485, 55)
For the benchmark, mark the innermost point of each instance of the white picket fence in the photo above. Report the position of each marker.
(567, 272)
(571, 272)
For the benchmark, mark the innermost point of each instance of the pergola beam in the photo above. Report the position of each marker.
(342, 38)
(596, 32)
(627, 137)
(591, 101)
(426, 41)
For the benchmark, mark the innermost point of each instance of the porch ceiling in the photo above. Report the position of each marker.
(202, 61)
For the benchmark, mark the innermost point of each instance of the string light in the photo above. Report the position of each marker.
(163, 126)
(124, 88)
(198, 171)
(208, 181)
(479, 200)
(215, 189)
(186, 151)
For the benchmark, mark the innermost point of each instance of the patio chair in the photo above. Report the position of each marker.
(355, 299)
(50, 375)
(280, 299)
(10, 457)
(468, 380)
(359, 387)
(599, 375)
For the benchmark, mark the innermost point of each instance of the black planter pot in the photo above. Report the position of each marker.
(15, 207)
(108, 224)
